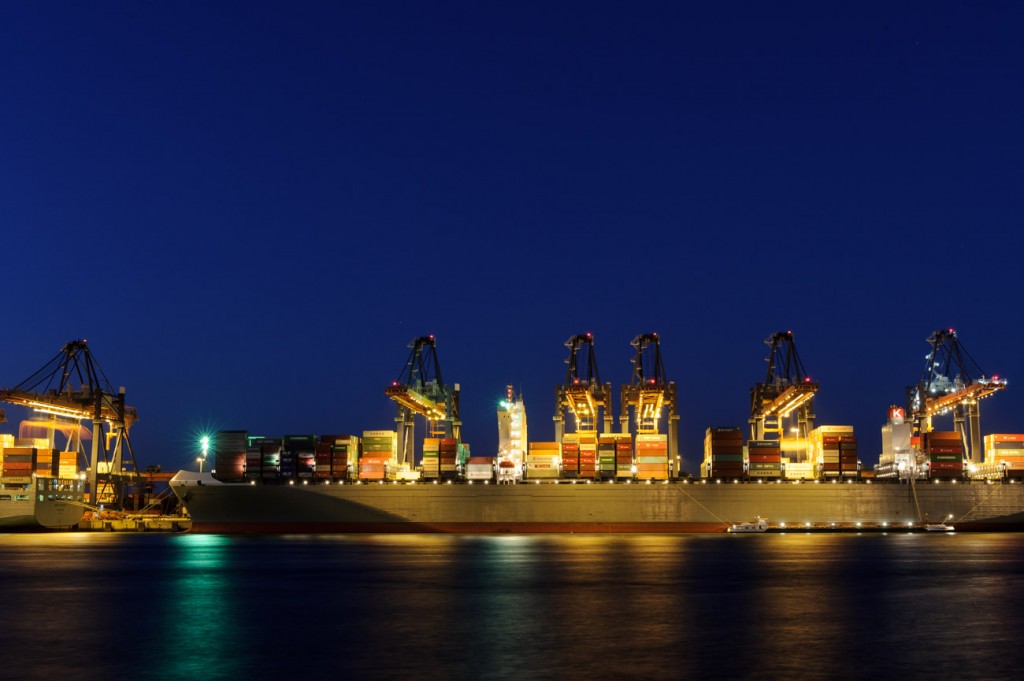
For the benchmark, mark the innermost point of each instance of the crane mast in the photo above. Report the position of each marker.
(650, 393)
(786, 389)
(72, 386)
(583, 394)
(952, 382)
(421, 391)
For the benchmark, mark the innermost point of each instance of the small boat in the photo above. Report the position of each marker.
(759, 525)
(939, 527)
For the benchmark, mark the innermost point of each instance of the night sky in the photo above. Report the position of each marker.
(249, 209)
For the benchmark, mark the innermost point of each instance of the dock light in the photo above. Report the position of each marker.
(858, 523)
(291, 482)
(885, 524)
(807, 524)
(305, 482)
(782, 525)
(910, 524)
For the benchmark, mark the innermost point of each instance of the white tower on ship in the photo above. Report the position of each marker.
(511, 437)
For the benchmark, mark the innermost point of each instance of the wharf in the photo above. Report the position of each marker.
(135, 523)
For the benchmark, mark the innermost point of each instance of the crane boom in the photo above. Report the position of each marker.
(786, 389)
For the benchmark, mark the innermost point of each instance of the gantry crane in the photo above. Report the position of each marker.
(952, 382)
(72, 386)
(649, 393)
(785, 390)
(583, 393)
(421, 391)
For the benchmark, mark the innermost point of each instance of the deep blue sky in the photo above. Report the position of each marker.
(249, 209)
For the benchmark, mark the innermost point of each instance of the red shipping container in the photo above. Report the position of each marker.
(946, 465)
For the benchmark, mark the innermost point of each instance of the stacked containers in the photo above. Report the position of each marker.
(17, 465)
(1008, 450)
(480, 468)
(270, 453)
(379, 451)
(824, 451)
(570, 455)
(449, 458)
(624, 456)
(431, 453)
(229, 454)
(764, 459)
(829, 456)
(334, 453)
(723, 452)
(542, 460)
(67, 464)
(652, 456)
(588, 455)
(46, 462)
(300, 450)
(848, 456)
(945, 452)
(606, 456)
(463, 453)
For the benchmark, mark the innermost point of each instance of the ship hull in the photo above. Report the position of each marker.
(599, 508)
(45, 504)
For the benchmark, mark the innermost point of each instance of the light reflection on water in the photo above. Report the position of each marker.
(612, 606)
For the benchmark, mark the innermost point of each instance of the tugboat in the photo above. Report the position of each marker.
(759, 525)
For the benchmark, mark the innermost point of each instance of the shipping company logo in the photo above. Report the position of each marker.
(896, 413)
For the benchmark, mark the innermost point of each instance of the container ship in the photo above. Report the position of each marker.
(780, 469)
(333, 493)
(39, 487)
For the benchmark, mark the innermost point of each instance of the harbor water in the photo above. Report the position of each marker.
(786, 606)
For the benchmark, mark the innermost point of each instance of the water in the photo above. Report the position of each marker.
(104, 606)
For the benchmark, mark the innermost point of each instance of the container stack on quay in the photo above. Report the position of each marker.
(652, 456)
(764, 459)
(944, 451)
(380, 448)
(542, 460)
(1008, 450)
(723, 453)
(230, 454)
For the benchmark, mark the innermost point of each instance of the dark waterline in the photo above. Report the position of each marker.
(95, 606)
